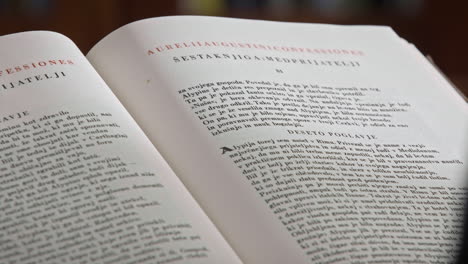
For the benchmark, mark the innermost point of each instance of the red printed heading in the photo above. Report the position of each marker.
(254, 46)
(34, 65)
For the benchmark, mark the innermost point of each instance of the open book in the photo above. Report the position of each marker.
(215, 140)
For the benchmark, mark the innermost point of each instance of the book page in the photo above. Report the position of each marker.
(79, 181)
(303, 143)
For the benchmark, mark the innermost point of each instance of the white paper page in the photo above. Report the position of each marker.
(434, 69)
(304, 143)
(79, 181)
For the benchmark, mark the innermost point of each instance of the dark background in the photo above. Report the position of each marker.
(437, 28)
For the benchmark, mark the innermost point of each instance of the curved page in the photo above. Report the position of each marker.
(304, 143)
(79, 181)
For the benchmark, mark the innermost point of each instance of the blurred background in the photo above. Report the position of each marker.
(437, 28)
